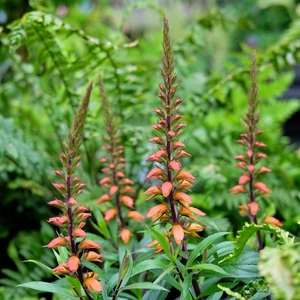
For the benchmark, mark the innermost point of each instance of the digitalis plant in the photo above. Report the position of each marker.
(120, 192)
(72, 218)
(174, 181)
(249, 181)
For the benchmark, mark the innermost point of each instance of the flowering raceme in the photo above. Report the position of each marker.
(248, 162)
(174, 182)
(120, 193)
(73, 216)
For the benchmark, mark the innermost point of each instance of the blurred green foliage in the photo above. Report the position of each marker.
(51, 49)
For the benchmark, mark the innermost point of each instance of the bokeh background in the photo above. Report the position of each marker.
(51, 49)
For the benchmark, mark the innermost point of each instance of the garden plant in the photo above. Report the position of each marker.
(196, 206)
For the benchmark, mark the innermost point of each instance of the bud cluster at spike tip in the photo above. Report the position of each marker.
(73, 216)
(174, 182)
(248, 162)
(120, 193)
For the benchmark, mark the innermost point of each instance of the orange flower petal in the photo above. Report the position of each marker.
(244, 179)
(184, 175)
(253, 206)
(241, 165)
(61, 269)
(160, 208)
(113, 189)
(238, 189)
(128, 189)
(195, 227)
(125, 235)
(153, 191)
(103, 198)
(93, 285)
(110, 214)
(261, 187)
(244, 209)
(104, 180)
(251, 168)
(272, 221)
(120, 174)
(181, 154)
(263, 170)
(174, 165)
(73, 263)
(78, 232)
(249, 153)
(187, 212)
(127, 181)
(57, 242)
(183, 196)
(58, 221)
(93, 256)
(155, 172)
(128, 201)
(178, 145)
(240, 157)
(261, 155)
(166, 188)
(178, 233)
(197, 211)
(135, 215)
(88, 244)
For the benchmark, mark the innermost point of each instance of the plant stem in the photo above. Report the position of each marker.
(251, 183)
(194, 281)
(112, 150)
(174, 211)
(79, 274)
(117, 290)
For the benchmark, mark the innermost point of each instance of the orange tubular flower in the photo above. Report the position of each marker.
(119, 194)
(174, 182)
(92, 283)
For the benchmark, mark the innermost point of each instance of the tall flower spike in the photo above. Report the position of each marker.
(73, 216)
(249, 181)
(175, 203)
(119, 191)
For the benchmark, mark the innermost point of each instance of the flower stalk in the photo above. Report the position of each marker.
(120, 192)
(173, 181)
(73, 216)
(248, 162)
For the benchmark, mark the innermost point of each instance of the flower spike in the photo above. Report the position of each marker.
(174, 182)
(248, 182)
(72, 217)
(119, 191)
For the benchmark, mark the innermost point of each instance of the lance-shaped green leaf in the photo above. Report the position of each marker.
(163, 242)
(47, 287)
(148, 265)
(213, 269)
(204, 244)
(143, 285)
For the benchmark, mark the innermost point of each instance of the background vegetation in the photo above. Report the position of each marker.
(51, 49)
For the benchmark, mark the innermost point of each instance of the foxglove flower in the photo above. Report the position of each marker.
(73, 216)
(249, 182)
(120, 193)
(173, 180)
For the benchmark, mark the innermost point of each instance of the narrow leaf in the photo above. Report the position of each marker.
(47, 287)
(144, 285)
(209, 267)
(148, 265)
(204, 244)
(162, 241)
